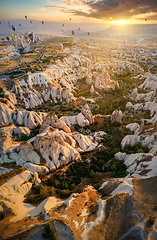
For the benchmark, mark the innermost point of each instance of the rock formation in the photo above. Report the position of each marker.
(116, 116)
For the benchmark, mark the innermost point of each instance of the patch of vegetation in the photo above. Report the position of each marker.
(135, 149)
(38, 194)
(151, 220)
(34, 132)
(49, 232)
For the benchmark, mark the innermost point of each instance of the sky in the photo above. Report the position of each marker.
(98, 11)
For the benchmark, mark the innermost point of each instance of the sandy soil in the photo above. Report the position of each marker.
(7, 65)
(145, 196)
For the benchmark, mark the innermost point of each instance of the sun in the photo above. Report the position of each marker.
(119, 22)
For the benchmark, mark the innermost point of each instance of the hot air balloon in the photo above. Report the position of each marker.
(83, 45)
(79, 28)
(63, 25)
(145, 19)
(70, 18)
(8, 22)
(30, 21)
(21, 44)
(43, 22)
(73, 32)
(142, 59)
(154, 44)
(12, 35)
(26, 17)
(31, 36)
(13, 28)
(10, 26)
(60, 46)
(7, 38)
(154, 53)
(20, 24)
(88, 33)
(141, 51)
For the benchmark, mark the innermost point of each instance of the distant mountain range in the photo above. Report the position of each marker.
(97, 30)
(48, 27)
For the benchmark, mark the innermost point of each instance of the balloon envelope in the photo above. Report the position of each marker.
(142, 59)
(43, 22)
(73, 32)
(26, 17)
(141, 51)
(60, 46)
(31, 36)
(154, 53)
(13, 28)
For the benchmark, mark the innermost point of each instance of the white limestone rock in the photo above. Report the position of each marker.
(53, 121)
(153, 150)
(132, 126)
(25, 144)
(28, 155)
(9, 209)
(116, 116)
(69, 120)
(129, 106)
(85, 142)
(134, 94)
(55, 150)
(82, 121)
(36, 168)
(92, 91)
(87, 113)
(8, 103)
(130, 140)
(20, 130)
(5, 114)
(120, 156)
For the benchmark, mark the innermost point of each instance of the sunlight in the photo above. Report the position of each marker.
(119, 22)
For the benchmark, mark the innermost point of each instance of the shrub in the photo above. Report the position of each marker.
(151, 220)
(24, 137)
(49, 231)
(65, 193)
(77, 127)
(97, 185)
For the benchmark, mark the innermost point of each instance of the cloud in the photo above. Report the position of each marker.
(55, 7)
(117, 9)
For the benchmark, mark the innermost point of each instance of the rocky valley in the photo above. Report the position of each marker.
(78, 140)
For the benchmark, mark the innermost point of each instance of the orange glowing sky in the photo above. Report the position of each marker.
(103, 11)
